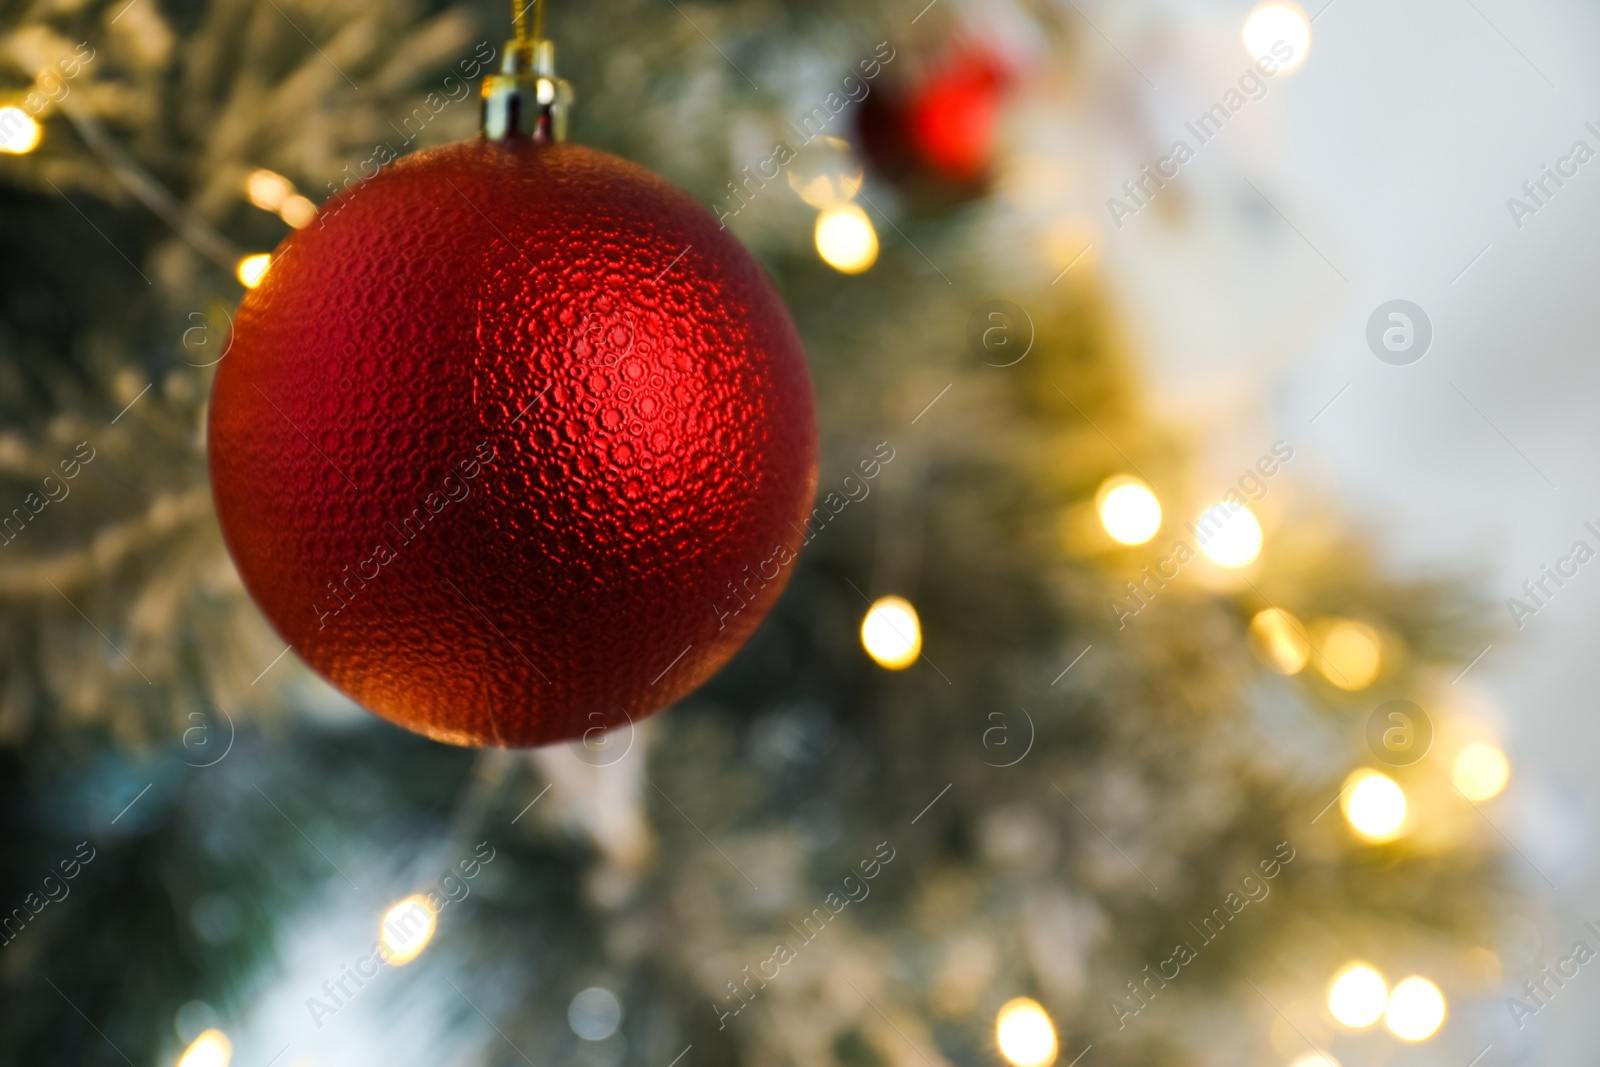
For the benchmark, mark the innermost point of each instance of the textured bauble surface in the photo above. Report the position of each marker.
(512, 442)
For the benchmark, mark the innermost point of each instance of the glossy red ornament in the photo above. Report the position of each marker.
(953, 114)
(935, 137)
(513, 442)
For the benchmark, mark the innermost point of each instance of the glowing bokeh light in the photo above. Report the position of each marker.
(268, 190)
(1480, 771)
(1230, 540)
(1350, 654)
(1275, 24)
(1025, 1034)
(253, 268)
(826, 174)
(845, 239)
(1129, 511)
(406, 930)
(1374, 805)
(1357, 995)
(595, 1013)
(19, 133)
(891, 633)
(1279, 640)
(298, 211)
(1416, 1009)
(211, 1049)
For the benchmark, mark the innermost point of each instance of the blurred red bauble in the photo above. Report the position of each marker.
(938, 132)
(953, 113)
(513, 442)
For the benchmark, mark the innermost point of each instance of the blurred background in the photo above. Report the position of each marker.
(1325, 796)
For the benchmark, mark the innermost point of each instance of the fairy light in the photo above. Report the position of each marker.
(845, 239)
(1315, 1059)
(1280, 641)
(1416, 1009)
(1350, 653)
(211, 1049)
(1270, 24)
(826, 175)
(1235, 542)
(406, 930)
(1129, 511)
(253, 268)
(1025, 1034)
(891, 633)
(1374, 805)
(1480, 771)
(298, 211)
(267, 189)
(1357, 995)
(19, 131)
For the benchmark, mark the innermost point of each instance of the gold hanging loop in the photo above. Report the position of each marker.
(527, 99)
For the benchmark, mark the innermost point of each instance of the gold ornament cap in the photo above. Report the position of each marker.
(527, 98)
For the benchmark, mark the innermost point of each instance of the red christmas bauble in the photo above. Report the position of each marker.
(935, 137)
(953, 114)
(513, 442)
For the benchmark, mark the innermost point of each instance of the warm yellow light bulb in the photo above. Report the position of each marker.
(211, 1049)
(826, 174)
(1315, 1059)
(845, 239)
(1025, 1035)
(1480, 771)
(1357, 995)
(253, 268)
(1129, 511)
(1374, 805)
(1282, 25)
(406, 930)
(1416, 1010)
(268, 190)
(298, 211)
(19, 133)
(1350, 653)
(1279, 640)
(1230, 539)
(891, 633)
